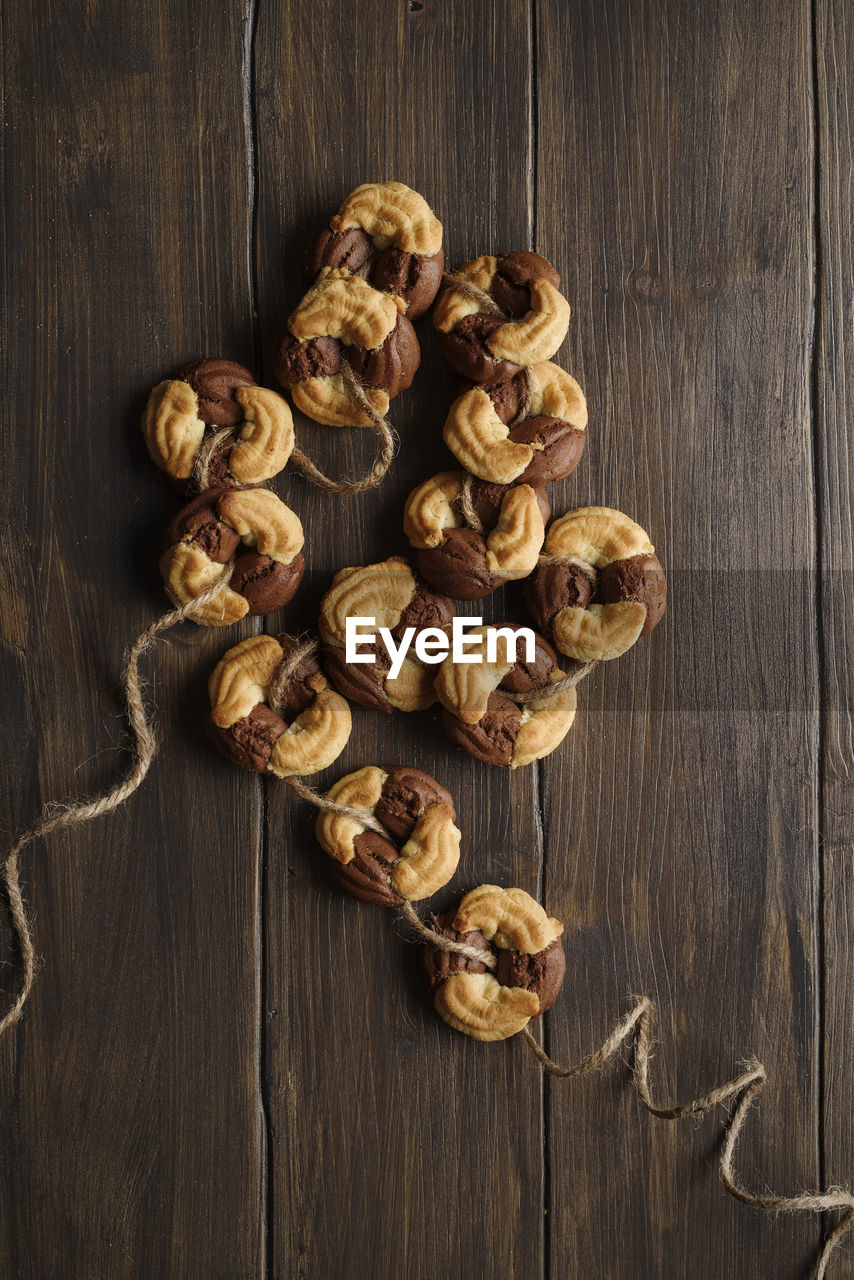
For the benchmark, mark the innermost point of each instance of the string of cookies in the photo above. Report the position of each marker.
(280, 705)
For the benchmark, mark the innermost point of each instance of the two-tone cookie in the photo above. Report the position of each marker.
(250, 529)
(598, 586)
(388, 233)
(418, 848)
(520, 975)
(397, 598)
(524, 322)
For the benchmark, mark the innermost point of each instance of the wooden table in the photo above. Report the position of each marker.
(227, 1068)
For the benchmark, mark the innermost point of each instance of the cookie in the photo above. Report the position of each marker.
(389, 233)
(397, 598)
(343, 325)
(469, 563)
(209, 396)
(599, 585)
(265, 724)
(418, 814)
(480, 715)
(530, 429)
(527, 968)
(251, 528)
(527, 321)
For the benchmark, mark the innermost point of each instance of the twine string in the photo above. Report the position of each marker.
(576, 562)
(527, 397)
(469, 514)
(743, 1090)
(381, 463)
(637, 1024)
(441, 943)
(484, 301)
(621, 1033)
(326, 805)
(547, 691)
(200, 479)
(285, 671)
(57, 815)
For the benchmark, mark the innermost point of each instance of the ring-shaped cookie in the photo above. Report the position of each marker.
(221, 395)
(466, 563)
(487, 436)
(531, 322)
(393, 594)
(305, 732)
(387, 232)
(344, 324)
(599, 585)
(480, 715)
(527, 970)
(251, 527)
(416, 812)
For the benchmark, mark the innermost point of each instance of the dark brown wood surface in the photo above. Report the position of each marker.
(227, 1069)
(834, 406)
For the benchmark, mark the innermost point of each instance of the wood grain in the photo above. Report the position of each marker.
(680, 820)
(227, 1069)
(398, 1147)
(132, 1137)
(835, 453)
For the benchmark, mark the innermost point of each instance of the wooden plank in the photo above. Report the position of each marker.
(132, 1136)
(674, 193)
(835, 477)
(399, 1147)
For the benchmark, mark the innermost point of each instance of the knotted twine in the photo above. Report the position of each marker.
(57, 815)
(380, 465)
(637, 1027)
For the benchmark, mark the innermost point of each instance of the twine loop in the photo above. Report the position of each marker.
(58, 815)
(379, 424)
(200, 480)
